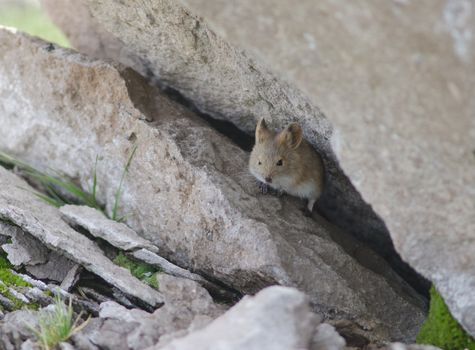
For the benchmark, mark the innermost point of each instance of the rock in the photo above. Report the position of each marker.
(124, 238)
(24, 249)
(395, 144)
(401, 147)
(185, 304)
(66, 346)
(31, 345)
(227, 83)
(327, 338)
(97, 224)
(55, 269)
(27, 251)
(166, 266)
(71, 278)
(15, 328)
(276, 318)
(187, 188)
(44, 223)
(174, 270)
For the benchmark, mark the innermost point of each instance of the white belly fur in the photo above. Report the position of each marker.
(304, 190)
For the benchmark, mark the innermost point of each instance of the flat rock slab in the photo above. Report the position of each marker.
(19, 205)
(276, 318)
(188, 188)
(98, 225)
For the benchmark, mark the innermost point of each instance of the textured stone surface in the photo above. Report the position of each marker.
(187, 189)
(396, 79)
(19, 205)
(116, 233)
(186, 305)
(404, 111)
(276, 318)
(172, 46)
(55, 269)
(24, 249)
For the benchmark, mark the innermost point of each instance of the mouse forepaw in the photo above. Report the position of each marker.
(263, 187)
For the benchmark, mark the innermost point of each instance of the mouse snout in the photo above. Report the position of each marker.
(268, 179)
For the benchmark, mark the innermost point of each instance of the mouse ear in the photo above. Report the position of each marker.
(291, 136)
(262, 132)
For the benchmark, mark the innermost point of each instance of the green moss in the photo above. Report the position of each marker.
(4, 263)
(441, 329)
(9, 279)
(141, 270)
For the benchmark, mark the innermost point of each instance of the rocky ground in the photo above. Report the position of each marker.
(163, 239)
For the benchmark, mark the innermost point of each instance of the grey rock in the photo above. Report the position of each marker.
(188, 307)
(33, 255)
(24, 249)
(44, 223)
(396, 144)
(226, 82)
(96, 223)
(402, 148)
(31, 345)
(71, 278)
(187, 188)
(174, 270)
(186, 303)
(55, 269)
(276, 318)
(66, 346)
(15, 328)
(166, 266)
(126, 329)
(327, 338)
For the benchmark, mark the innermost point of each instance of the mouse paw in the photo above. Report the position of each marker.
(263, 188)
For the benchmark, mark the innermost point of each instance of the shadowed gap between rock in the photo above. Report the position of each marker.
(375, 236)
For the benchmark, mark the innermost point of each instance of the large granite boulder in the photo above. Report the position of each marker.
(395, 78)
(187, 190)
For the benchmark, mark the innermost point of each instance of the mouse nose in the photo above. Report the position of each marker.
(268, 179)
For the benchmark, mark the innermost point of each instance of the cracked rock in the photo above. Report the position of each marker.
(187, 189)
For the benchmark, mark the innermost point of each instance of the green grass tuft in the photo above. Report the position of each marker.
(141, 270)
(118, 193)
(58, 190)
(57, 325)
(441, 329)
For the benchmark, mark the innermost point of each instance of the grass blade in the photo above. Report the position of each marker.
(118, 193)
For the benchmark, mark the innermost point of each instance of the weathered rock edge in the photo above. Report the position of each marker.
(187, 188)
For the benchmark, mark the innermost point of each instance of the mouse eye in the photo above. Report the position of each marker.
(259, 163)
(279, 163)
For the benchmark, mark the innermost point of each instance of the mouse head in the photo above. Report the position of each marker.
(274, 155)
